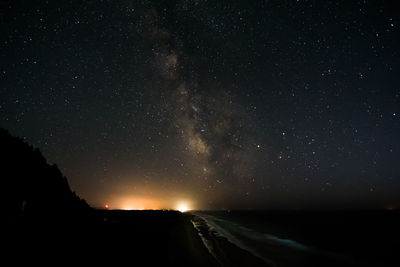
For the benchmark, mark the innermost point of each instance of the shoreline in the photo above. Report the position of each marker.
(184, 239)
(225, 252)
(142, 238)
(267, 249)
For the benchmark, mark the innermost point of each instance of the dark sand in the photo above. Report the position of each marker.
(168, 238)
(117, 238)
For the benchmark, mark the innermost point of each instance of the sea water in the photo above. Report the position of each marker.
(251, 231)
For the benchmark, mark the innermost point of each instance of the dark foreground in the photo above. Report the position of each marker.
(169, 238)
(116, 238)
(308, 238)
(109, 238)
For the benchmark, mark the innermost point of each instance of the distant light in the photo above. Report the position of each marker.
(106, 206)
(182, 207)
(134, 208)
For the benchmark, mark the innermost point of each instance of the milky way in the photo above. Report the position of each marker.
(268, 104)
(213, 127)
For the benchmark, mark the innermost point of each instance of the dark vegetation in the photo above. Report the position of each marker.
(45, 223)
(31, 188)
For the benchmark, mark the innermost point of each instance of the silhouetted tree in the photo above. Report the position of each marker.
(30, 186)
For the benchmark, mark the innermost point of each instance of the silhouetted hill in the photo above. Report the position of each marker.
(30, 187)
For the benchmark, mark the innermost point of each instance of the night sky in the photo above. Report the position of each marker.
(216, 104)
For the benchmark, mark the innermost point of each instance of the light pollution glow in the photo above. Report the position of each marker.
(143, 203)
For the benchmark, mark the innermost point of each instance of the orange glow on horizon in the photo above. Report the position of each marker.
(140, 204)
(147, 203)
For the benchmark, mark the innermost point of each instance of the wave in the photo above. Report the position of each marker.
(273, 250)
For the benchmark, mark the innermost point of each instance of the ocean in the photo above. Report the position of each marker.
(303, 238)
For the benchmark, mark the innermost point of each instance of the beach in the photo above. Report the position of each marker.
(116, 237)
(290, 238)
(172, 238)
